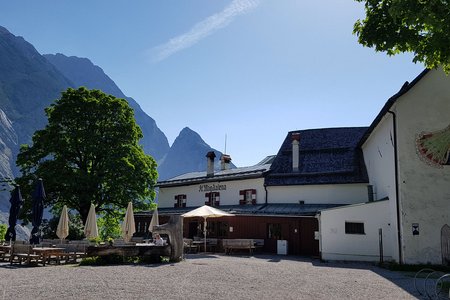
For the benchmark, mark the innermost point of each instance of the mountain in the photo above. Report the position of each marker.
(187, 154)
(82, 72)
(189, 145)
(30, 82)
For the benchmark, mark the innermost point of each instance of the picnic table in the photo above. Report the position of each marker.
(48, 252)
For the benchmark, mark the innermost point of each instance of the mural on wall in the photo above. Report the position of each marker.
(434, 147)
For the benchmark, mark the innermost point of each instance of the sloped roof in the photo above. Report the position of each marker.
(222, 175)
(326, 156)
(279, 209)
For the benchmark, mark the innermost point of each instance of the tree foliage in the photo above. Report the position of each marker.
(88, 153)
(3, 229)
(418, 26)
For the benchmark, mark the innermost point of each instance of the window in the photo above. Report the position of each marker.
(274, 231)
(247, 197)
(354, 228)
(217, 229)
(180, 201)
(212, 199)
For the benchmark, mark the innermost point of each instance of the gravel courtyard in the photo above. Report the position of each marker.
(208, 277)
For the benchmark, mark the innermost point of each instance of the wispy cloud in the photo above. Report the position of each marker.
(202, 29)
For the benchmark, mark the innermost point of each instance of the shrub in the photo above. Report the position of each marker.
(3, 228)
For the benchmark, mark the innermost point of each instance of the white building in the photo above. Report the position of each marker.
(361, 193)
(406, 152)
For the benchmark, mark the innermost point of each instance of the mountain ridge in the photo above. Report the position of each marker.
(30, 82)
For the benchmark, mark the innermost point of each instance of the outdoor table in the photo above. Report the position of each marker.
(200, 244)
(47, 252)
(144, 244)
(5, 248)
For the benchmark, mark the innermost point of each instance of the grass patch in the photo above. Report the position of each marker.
(414, 268)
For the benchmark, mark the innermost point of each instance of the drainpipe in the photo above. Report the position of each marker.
(399, 236)
(267, 193)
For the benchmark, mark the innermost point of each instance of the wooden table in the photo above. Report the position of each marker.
(5, 251)
(47, 252)
(5, 248)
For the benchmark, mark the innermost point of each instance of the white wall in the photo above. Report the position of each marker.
(318, 194)
(379, 157)
(337, 245)
(424, 189)
(228, 196)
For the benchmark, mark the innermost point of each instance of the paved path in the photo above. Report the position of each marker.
(208, 277)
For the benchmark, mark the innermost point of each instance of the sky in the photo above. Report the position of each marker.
(247, 70)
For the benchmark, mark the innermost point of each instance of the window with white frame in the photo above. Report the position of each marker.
(180, 201)
(212, 199)
(247, 197)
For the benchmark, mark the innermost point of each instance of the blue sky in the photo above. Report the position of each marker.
(249, 69)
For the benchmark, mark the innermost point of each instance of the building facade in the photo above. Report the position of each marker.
(406, 152)
(360, 193)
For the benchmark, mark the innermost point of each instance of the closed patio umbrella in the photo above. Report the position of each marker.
(37, 210)
(16, 203)
(155, 220)
(90, 228)
(62, 231)
(205, 212)
(128, 227)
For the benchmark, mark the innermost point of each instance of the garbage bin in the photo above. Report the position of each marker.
(282, 247)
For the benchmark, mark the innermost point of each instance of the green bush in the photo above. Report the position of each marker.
(112, 259)
(3, 228)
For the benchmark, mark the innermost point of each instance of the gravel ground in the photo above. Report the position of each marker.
(208, 277)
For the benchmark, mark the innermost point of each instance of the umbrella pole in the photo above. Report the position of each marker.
(204, 229)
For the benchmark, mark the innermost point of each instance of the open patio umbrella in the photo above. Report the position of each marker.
(90, 228)
(62, 231)
(205, 212)
(37, 211)
(128, 227)
(16, 203)
(155, 220)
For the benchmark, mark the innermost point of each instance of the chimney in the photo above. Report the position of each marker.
(225, 160)
(295, 151)
(210, 163)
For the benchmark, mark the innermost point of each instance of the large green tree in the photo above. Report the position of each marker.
(88, 153)
(418, 26)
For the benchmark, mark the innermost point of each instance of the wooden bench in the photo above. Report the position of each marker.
(5, 252)
(189, 247)
(258, 243)
(236, 244)
(21, 253)
(73, 251)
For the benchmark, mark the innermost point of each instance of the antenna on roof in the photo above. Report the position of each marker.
(225, 144)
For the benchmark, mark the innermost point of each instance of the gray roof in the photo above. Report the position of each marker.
(327, 156)
(282, 209)
(223, 175)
